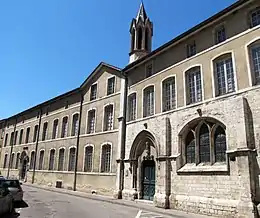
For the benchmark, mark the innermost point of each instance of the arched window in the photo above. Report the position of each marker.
(148, 101)
(254, 59)
(52, 159)
(61, 159)
(193, 85)
(15, 137)
(12, 161)
(64, 130)
(21, 137)
(6, 139)
(35, 133)
(55, 129)
(12, 139)
(17, 160)
(131, 107)
(91, 121)
(44, 131)
(75, 125)
(108, 118)
(220, 145)
(72, 159)
(140, 38)
(5, 161)
(27, 135)
(32, 160)
(41, 159)
(224, 75)
(190, 148)
(88, 159)
(202, 136)
(105, 158)
(169, 96)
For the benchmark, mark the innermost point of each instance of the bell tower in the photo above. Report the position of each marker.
(141, 31)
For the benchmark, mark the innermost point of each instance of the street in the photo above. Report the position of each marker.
(46, 204)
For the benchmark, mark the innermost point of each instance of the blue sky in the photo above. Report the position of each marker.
(48, 47)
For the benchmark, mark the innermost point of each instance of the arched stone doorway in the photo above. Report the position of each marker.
(24, 160)
(143, 154)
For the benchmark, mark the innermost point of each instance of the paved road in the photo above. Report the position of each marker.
(46, 204)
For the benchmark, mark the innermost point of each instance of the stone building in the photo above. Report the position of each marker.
(185, 127)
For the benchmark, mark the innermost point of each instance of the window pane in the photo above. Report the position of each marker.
(75, 125)
(190, 148)
(72, 159)
(17, 161)
(64, 129)
(111, 85)
(220, 34)
(41, 160)
(255, 18)
(21, 137)
(108, 117)
(93, 92)
(52, 159)
(91, 121)
(204, 144)
(32, 160)
(220, 145)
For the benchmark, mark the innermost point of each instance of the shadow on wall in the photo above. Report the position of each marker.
(254, 170)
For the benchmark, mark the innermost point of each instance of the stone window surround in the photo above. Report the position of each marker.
(63, 160)
(41, 164)
(112, 80)
(70, 166)
(92, 96)
(84, 157)
(64, 126)
(45, 131)
(55, 128)
(162, 91)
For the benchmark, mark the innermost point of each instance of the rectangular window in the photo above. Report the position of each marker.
(93, 92)
(15, 137)
(132, 107)
(191, 49)
(12, 139)
(64, 130)
(75, 125)
(17, 161)
(55, 129)
(148, 102)
(5, 161)
(6, 140)
(108, 118)
(220, 34)
(106, 155)
(91, 121)
(32, 160)
(169, 101)
(149, 70)
(110, 86)
(52, 159)
(255, 17)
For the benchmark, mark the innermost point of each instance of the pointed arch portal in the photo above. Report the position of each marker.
(143, 154)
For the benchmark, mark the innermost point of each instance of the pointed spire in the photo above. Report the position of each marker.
(141, 13)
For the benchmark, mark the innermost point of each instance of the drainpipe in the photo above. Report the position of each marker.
(12, 145)
(123, 139)
(36, 145)
(77, 149)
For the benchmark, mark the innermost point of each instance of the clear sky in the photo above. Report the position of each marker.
(49, 47)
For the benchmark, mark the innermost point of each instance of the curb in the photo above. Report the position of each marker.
(132, 204)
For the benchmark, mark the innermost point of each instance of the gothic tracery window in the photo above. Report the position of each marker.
(205, 143)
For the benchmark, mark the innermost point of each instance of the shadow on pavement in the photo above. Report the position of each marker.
(21, 204)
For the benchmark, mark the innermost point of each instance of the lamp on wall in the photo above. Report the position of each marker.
(199, 112)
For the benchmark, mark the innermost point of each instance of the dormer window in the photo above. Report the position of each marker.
(111, 86)
(191, 49)
(220, 34)
(93, 92)
(149, 70)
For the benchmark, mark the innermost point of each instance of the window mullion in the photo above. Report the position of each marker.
(225, 74)
(195, 88)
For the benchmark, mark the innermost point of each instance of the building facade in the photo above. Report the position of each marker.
(180, 128)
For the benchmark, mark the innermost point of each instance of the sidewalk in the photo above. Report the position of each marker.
(136, 204)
